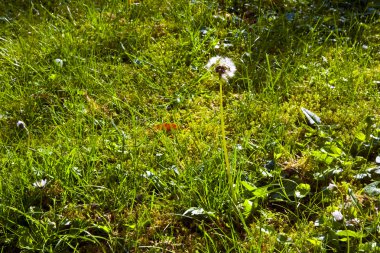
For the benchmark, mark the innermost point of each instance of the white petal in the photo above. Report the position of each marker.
(338, 216)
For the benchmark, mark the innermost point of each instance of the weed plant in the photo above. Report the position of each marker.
(111, 135)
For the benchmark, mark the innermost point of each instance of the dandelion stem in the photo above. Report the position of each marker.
(224, 144)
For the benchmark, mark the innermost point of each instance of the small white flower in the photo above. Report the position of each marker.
(338, 216)
(21, 124)
(225, 45)
(58, 62)
(331, 187)
(224, 66)
(40, 184)
(353, 222)
(148, 174)
(52, 223)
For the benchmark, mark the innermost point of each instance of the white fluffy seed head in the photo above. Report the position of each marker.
(224, 66)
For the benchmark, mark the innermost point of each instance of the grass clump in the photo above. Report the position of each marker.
(112, 140)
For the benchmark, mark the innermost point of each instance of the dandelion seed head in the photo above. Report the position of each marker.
(221, 69)
(224, 66)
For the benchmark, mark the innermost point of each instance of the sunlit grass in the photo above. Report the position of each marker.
(90, 164)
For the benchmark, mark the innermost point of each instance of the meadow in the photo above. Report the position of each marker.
(117, 133)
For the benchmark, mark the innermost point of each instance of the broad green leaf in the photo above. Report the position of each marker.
(248, 186)
(349, 233)
(53, 76)
(247, 207)
(323, 157)
(329, 160)
(360, 136)
(315, 242)
(336, 151)
(261, 192)
(302, 190)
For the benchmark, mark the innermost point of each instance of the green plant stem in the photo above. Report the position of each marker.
(224, 144)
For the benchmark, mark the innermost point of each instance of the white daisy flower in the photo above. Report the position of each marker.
(224, 66)
(40, 184)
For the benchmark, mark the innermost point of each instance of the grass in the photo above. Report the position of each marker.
(118, 179)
